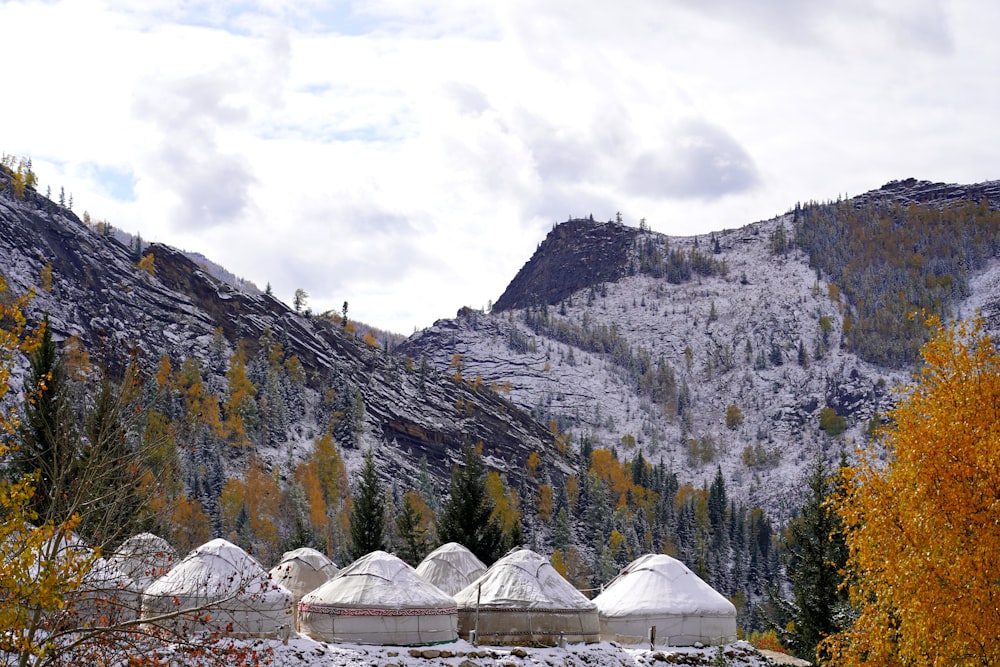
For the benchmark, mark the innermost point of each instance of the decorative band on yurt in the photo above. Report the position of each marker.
(341, 611)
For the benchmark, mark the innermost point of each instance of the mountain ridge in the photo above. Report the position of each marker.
(120, 311)
(750, 352)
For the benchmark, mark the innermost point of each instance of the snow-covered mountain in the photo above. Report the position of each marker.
(91, 286)
(703, 352)
(718, 350)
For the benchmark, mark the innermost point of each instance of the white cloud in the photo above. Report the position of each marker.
(408, 157)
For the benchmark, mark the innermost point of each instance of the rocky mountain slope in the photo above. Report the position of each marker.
(91, 287)
(703, 351)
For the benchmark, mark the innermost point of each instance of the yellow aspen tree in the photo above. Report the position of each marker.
(20, 182)
(34, 584)
(45, 278)
(76, 359)
(531, 465)
(559, 562)
(231, 501)
(307, 476)
(295, 371)
(240, 407)
(276, 357)
(545, 502)
(191, 525)
(201, 407)
(263, 504)
(163, 373)
(332, 473)
(427, 516)
(572, 490)
(147, 264)
(506, 509)
(921, 512)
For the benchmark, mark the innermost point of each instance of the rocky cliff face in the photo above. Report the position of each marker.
(118, 310)
(575, 255)
(912, 191)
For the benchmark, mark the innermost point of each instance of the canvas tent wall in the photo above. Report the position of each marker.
(522, 600)
(225, 590)
(657, 590)
(451, 567)
(379, 599)
(144, 558)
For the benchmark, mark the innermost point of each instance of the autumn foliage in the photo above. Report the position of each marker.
(921, 512)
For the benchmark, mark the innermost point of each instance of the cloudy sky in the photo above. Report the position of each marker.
(408, 156)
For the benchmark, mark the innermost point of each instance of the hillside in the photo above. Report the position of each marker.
(725, 350)
(631, 392)
(313, 375)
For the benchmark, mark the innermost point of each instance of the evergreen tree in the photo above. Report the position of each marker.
(47, 432)
(815, 554)
(299, 299)
(82, 442)
(466, 517)
(717, 501)
(368, 513)
(412, 536)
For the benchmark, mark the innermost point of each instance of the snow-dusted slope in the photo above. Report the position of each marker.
(90, 286)
(757, 346)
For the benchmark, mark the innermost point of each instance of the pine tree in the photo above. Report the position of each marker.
(466, 516)
(240, 408)
(299, 300)
(412, 534)
(368, 513)
(815, 554)
(47, 434)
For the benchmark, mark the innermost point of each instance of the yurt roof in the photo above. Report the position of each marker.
(144, 556)
(216, 569)
(382, 581)
(311, 558)
(657, 583)
(303, 570)
(523, 580)
(102, 574)
(451, 567)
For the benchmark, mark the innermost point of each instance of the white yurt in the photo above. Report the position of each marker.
(225, 590)
(379, 599)
(106, 595)
(451, 567)
(521, 599)
(302, 571)
(144, 558)
(657, 590)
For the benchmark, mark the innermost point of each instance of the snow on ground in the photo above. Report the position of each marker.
(301, 651)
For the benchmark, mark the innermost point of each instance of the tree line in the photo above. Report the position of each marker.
(895, 262)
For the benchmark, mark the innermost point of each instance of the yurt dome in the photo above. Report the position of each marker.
(144, 558)
(303, 570)
(106, 595)
(451, 567)
(657, 590)
(521, 599)
(379, 599)
(226, 590)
